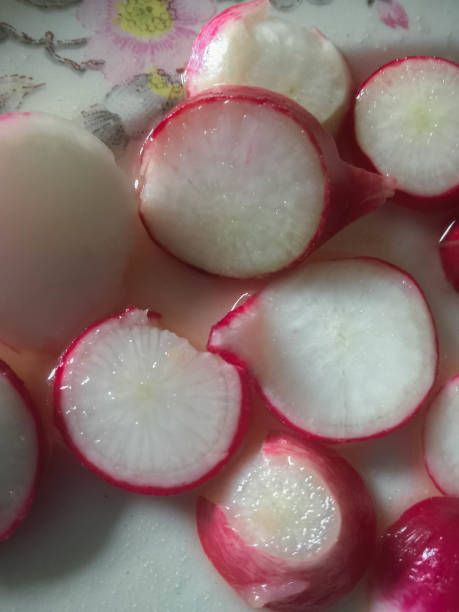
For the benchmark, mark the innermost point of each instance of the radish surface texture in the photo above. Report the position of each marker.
(144, 409)
(20, 451)
(242, 182)
(407, 123)
(417, 563)
(341, 350)
(449, 254)
(244, 45)
(67, 228)
(292, 529)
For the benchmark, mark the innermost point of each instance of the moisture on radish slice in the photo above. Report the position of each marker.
(441, 436)
(293, 529)
(242, 182)
(417, 564)
(406, 122)
(244, 45)
(449, 253)
(342, 350)
(20, 451)
(144, 409)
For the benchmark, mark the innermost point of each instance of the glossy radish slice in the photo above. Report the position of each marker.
(144, 409)
(292, 529)
(441, 435)
(449, 253)
(342, 350)
(417, 564)
(20, 451)
(243, 182)
(407, 123)
(244, 45)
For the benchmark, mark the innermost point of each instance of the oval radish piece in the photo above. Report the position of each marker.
(441, 435)
(67, 227)
(216, 193)
(342, 350)
(144, 409)
(406, 116)
(20, 451)
(244, 45)
(449, 254)
(294, 528)
(417, 563)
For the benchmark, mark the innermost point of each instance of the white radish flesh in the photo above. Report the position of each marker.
(144, 409)
(341, 350)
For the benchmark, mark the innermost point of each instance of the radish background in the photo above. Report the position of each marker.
(87, 545)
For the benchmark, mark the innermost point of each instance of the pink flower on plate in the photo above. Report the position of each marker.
(133, 35)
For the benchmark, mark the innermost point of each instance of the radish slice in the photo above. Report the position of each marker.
(449, 254)
(406, 122)
(342, 350)
(218, 195)
(243, 45)
(67, 220)
(293, 529)
(20, 451)
(441, 435)
(144, 409)
(417, 564)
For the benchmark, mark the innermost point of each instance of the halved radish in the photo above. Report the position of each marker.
(244, 45)
(449, 253)
(67, 224)
(20, 451)
(342, 350)
(441, 436)
(293, 529)
(406, 122)
(417, 565)
(144, 409)
(242, 182)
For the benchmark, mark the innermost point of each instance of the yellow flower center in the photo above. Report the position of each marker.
(144, 18)
(162, 87)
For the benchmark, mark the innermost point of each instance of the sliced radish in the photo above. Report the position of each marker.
(406, 122)
(242, 182)
(67, 220)
(441, 436)
(449, 254)
(244, 45)
(293, 529)
(20, 451)
(144, 409)
(417, 565)
(342, 350)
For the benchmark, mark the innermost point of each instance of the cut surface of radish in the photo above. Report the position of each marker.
(144, 409)
(292, 529)
(417, 564)
(67, 220)
(342, 349)
(20, 451)
(407, 121)
(242, 182)
(441, 435)
(244, 45)
(449, 253)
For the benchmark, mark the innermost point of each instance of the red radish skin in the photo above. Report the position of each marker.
(20, 512)
(427, 199)
(417, 563)
(449, 254)
(293, 584)
(250, 355)
(149, 318)
(348, 192)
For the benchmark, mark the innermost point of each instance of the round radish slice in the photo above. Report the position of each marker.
(293, 529)
(417, 564)
(449, 254)
(406, 122)
(67, 227)
(342, 350)
(441, 435)
(20, 451)
(244, 45)
(144, 409)
(218, 195)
